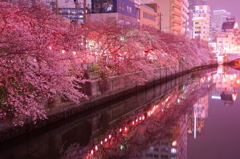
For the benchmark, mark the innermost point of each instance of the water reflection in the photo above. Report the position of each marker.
(158, 131)
(167, 121)
(227, 81)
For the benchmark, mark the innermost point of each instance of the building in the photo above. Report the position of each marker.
(196, 118)
(219, 17)
(72, 9)
(172, 147)
(193, 3)
(119, 11)
(174, 15)
(202, 22)
(150, 15)
(227, 40)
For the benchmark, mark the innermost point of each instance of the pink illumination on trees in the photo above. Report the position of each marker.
(36, 61)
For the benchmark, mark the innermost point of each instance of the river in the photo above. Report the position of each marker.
(194, 116)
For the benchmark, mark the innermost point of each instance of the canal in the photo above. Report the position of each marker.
(195, 116)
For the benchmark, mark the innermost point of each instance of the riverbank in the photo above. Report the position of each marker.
(117, 89)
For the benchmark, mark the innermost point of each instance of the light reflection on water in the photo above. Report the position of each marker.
(175, 124)
(211, 128)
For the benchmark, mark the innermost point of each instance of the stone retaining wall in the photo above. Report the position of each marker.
(117, 88)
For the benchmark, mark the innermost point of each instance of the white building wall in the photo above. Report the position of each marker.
(202, 22)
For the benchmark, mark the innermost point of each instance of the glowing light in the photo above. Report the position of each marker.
(140, 118)
(121, 147)
(92, 152)
(105, 140)
(74, 52)
(173, 150)
(149, 113)
(174, 143)
(96, 147)
(120, 130)
(238, 81)
(125, 128)
(50, 47)
(110, 136)
(63, 51)
(101, 142)
(234, 97)
(133, 122)
(166, 99)
(136, 120)
(216, 97)
(143, 117)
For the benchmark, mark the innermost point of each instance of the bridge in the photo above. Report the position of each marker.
(228, 58)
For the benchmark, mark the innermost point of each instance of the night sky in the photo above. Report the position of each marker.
(232, 6)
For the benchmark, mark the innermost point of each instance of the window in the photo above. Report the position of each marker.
(121, 6)
(149, 155)
(164, 156)
(155, 149)
(164, 143)
(149, 16)
(155, 156)
(129, 9)
(107, 5)
(164, 150)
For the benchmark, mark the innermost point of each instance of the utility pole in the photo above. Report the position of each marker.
(84, 14)
(160, 15)
(56, 7)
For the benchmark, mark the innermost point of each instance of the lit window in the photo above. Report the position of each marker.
(173, 150)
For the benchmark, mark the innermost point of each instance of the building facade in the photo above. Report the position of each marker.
(202, 22)
(227, 40)
(120, 11)
(150, 15)
(193, 3)
(174, 15)
(173, 147)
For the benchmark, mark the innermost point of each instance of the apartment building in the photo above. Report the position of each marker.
(202, 22)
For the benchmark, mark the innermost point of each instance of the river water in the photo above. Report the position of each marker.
(195, 116)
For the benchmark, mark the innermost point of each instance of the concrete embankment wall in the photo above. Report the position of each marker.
(100, 93)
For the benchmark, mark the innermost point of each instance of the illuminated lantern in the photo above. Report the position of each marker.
(174, 143)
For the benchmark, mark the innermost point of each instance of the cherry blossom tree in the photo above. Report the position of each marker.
(127, 49)
(40, 57)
